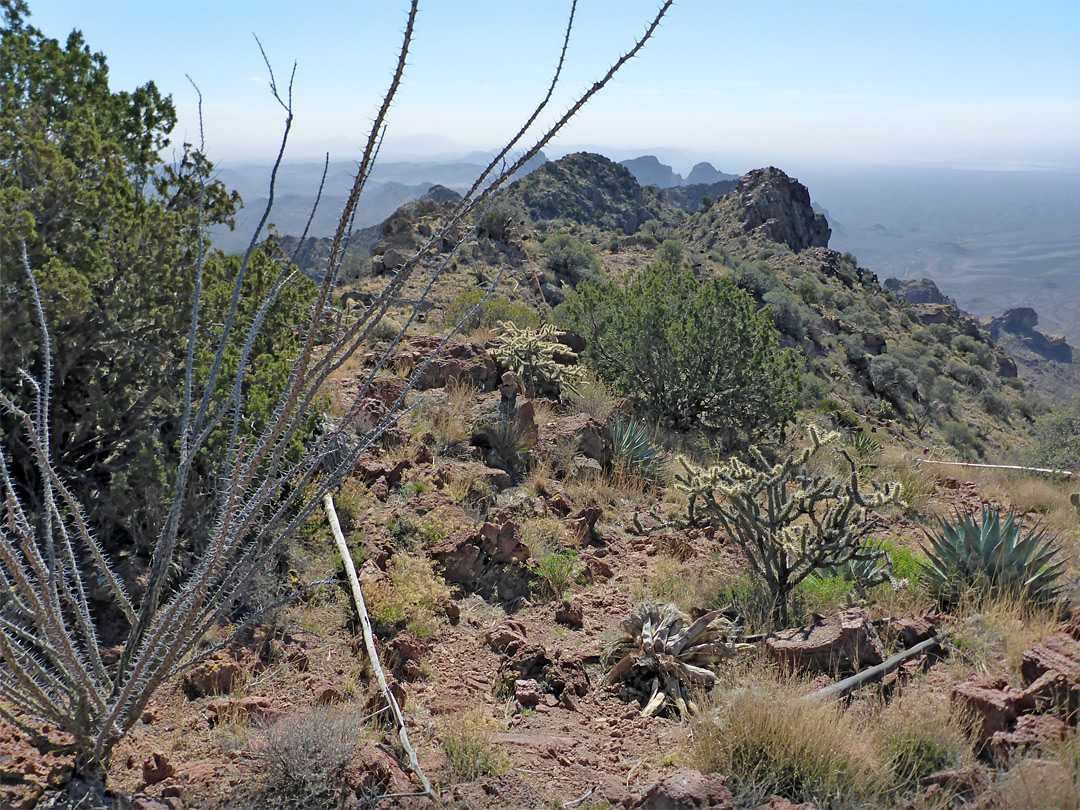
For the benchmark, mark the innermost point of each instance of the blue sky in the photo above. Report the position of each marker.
(742, 84)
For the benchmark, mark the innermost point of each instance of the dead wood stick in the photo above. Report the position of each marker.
(1062, 473)
(369, 642)
(867, 676)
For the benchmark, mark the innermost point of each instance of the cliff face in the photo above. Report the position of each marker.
(769, 204)
(1021, 322)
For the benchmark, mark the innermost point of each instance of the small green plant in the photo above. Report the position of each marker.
(992, 556)
(555, 572)
(633, 446)
(411, 598)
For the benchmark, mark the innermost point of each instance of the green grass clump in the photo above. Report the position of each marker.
(555, 572)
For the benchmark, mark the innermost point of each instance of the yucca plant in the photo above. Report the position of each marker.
(992, 555)
(633, 446)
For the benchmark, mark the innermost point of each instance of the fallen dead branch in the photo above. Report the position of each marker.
(874, 674)
(369, 642)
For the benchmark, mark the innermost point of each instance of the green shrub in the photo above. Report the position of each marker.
(960, 436)
(689, 353)
(1057, 437)
(555, 572)
(963, 373)
(496, 224)
(892, 380)
(994, 404)
(669, 252)
(568, 256)
(489, 313)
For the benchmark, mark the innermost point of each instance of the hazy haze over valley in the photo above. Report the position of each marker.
(874, 106)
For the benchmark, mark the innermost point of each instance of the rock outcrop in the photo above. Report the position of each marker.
(778, 208)
(590, 190)
(1021, 322)
(918, 291)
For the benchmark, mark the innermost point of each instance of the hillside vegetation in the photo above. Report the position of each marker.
(678, 472)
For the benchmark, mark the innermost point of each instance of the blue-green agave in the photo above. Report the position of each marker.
(633, 444)
(993, 555)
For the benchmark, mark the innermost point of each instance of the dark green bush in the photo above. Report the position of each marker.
(1057, 437)
(994, 404)
(568, 256)
(669, 252)
(891, 380)
(960, 436)
(690, 353)
(489, 314)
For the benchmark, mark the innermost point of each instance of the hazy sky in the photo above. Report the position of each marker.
(742, 84)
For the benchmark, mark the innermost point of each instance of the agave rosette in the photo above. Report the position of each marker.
(994, 555)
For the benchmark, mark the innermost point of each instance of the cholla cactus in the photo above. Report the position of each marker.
(788, 522)
(530, 354)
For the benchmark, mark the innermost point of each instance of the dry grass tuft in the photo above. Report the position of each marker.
(766, 741)
(918, 734)
(413, 597)
(684, 584)
(467, 739)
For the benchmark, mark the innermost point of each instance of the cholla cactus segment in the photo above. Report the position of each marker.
(788, 521)
(992, 555)
(663, 656)
(530, 354)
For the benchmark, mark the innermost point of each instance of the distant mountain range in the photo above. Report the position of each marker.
(991, 240)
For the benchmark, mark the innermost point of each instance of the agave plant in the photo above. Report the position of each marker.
(993, 555)
(663, 656)
(633, 444)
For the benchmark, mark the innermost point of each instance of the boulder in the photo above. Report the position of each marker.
(1059, 655)
(990, 703)
(404, 654)
(843, 642)
(569, 613)
(507, 637)
(1031, 731)
(214, 676)
(687, 789)
(588, 435)
(914, 629)
(527, 691)
(157, 768)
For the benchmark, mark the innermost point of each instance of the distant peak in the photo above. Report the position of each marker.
(778, 207)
